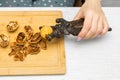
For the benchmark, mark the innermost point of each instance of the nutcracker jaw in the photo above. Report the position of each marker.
(64, 27)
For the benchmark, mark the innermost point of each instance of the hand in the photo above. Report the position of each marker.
(95, 23)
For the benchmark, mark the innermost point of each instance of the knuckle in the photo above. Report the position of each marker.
(86, 37)
(87, 25)
(99, 31)
(92, 31)
(103, 33)
(82, 35)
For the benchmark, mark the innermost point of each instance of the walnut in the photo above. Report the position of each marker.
(12, 26)
(4, 41)
(45, 30)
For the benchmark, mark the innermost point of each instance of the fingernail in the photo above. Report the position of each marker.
(79, 38)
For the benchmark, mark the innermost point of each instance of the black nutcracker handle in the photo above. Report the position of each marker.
(64, 27)
(76, 26)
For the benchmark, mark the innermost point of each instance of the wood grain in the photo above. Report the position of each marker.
(50, 61)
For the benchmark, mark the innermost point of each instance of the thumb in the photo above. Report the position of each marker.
(78, 16)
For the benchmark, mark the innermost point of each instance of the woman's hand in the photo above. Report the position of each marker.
(95, 23)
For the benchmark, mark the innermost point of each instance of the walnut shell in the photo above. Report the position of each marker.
(43, 44)
(33, 49)
(21, 38)
(12, 26)
(4, 41)
(18, 51)
(29, 31)
(35, 38)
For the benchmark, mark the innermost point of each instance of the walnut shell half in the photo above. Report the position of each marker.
(21, 38)
(4, 40)
(29, 31)
(12, 26)
(35, 38)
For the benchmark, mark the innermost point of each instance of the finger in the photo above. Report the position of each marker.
(99, 29)
(86, 26)
(105, 25)
(93, 28)
(78, 16)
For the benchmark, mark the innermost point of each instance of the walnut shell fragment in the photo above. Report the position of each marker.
(43, 44)
(21, 38)
(27, 44)
(29, 31)
(35, 38)
(33, 49)
(12, 26)
(18, 51)
(4, 41)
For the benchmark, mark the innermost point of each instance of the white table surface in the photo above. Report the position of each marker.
(97, 59)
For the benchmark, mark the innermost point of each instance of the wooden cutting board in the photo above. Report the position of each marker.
(50, 61)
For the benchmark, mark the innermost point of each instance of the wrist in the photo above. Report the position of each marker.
(93, 1)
